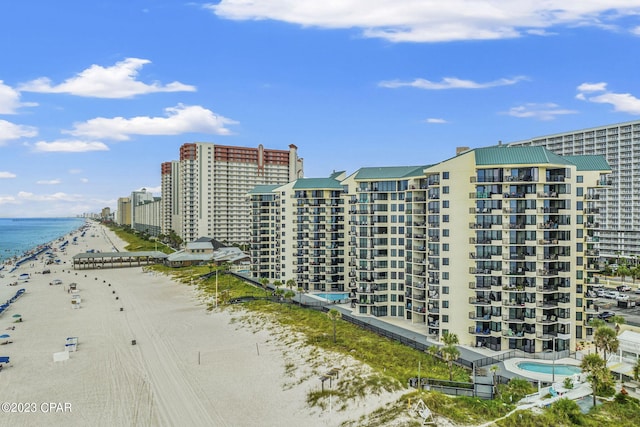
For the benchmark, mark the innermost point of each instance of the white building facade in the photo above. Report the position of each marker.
(618, 215)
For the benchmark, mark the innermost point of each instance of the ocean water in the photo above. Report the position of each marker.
(19, 235)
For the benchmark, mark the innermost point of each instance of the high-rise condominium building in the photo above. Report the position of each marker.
(205, 193)
(497, 245)
(619, 207)
(123, 211)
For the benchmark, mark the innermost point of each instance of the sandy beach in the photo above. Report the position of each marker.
(188, 367)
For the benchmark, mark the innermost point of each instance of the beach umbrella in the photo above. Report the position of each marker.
(3, 336)
(17, 315)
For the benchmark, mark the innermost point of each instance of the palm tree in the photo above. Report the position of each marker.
(606, 340)
(618, 320)
(494, 370)
(264, 282)
(291, 284)
(636, 370)
(300, 290)
(449, 351)
(279, 293)
(334, 314)
(277, 285)
(623, 271)
(597, 372)
(289, 295)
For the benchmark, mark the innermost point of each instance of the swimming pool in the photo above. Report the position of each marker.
(549, 368)
(333, 297)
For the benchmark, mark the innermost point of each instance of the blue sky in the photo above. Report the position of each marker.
(95, 95)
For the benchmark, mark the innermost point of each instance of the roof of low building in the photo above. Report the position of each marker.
(389, 172)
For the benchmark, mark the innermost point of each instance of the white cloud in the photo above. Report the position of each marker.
(433, 20)
(59, 197)
(592, 87)
(180, 119)
(6, 175)
(49, 182)
(10, 100)
(435, 120)
(450, 83)
(11, 131)
(117, 81)
(84, 180)
(547, 111)
(636, 31)
(75, 171)
(621, 102)
(64, 146)
(8, 200)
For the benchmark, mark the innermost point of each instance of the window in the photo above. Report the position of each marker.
(579, 178)
(580, 191)
(445, 218)
(445, 275)
(445, 304)
(578, 302)
(445, 261)
(445, 189)
(445, 290)
(445, 203)
(445, 318)
(445, 232)
(579, 247)
(445, 175)
(445, 247)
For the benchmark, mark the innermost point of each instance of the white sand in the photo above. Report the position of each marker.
(188, 368)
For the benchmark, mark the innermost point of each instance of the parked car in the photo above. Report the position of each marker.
(623, 288)
(56, 282)
(622, 297)
(611, 294)
(606, 315)
(601, 293)
(637, 291)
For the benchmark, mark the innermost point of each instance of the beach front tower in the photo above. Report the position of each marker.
(298, 233)
(214, 181)
(513, 246)
(170, 219)
(380, 253)
(618, 215)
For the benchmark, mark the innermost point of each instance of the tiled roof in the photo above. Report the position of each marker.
(262, 189)
(589, 163)
(390, 172)
(515, 155)
(309, 183)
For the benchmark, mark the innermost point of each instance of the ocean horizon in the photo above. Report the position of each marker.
(20, 235)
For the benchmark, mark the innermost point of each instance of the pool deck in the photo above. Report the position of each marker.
(511, 365)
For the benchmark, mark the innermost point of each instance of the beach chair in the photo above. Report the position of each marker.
(552, 392)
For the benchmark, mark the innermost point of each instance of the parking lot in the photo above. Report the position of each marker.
(631, 314)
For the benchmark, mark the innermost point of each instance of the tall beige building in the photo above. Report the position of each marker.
(496, 245)
(205, 192)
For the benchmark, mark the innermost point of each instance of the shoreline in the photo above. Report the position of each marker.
(188, 366)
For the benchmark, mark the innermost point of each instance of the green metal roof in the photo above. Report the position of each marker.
(390, 172)
(589, 163)
(515, 155)
(318, 183)
(263, 189)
